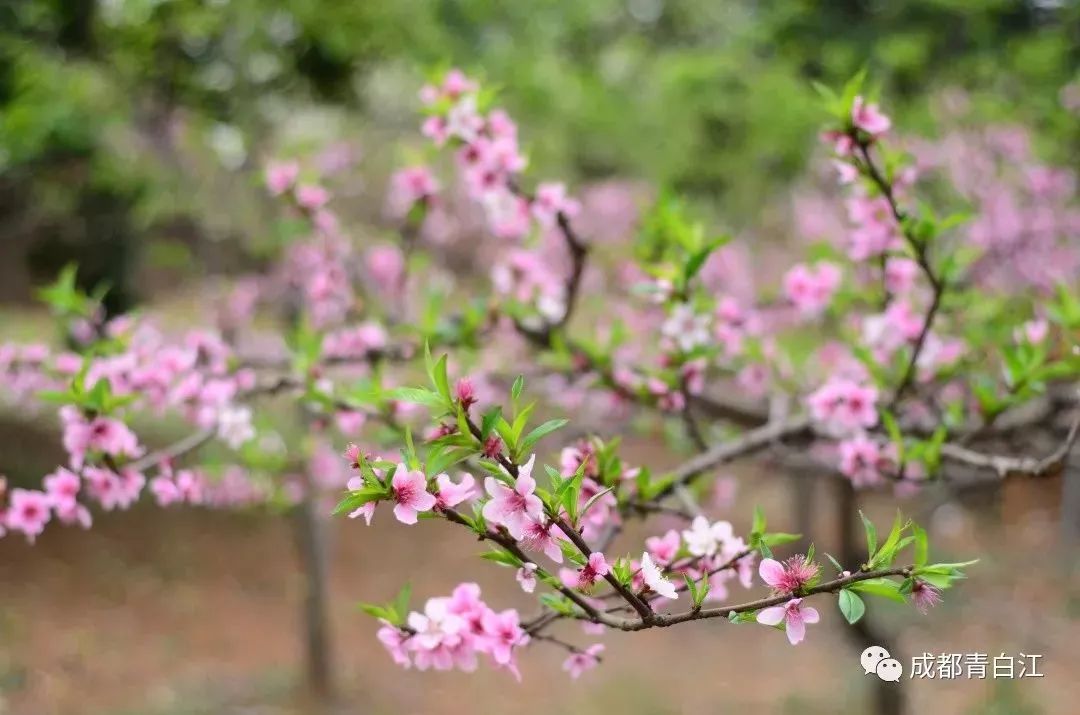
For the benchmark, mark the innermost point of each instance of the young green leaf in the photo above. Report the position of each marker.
(851, 606)
(871, 536)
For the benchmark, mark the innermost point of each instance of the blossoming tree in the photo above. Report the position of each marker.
(886, 357)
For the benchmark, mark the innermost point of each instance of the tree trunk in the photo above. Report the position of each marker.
(888, 697)
(311, 549)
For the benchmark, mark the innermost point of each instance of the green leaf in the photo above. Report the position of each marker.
(888, 550)
(779, 538)
(558, 603)
(429, 362)
(852, 88)
(622, 571)
(56, 397)
(357, 499)
(515, 390)
(593, 499)
(501, 556)
(416, 396)
(851, 606)
(834, 562)
(878, 587)
(871, 536)
(758, 526)
(520, 421)
(440, 459)
(401, 603)
(830, 99)
(539, 433)
(949, 567)
(698, 591)
(411, 459)
(381, 612)
(442, 382)
(697, 259)
(490, 419)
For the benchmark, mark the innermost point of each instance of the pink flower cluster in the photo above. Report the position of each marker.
(409, 490)
(195, 375)
(355, 342)
(526, 276)
(489, 159)
(452, 632)
(811, 288)
(318, 270)
(844, 406)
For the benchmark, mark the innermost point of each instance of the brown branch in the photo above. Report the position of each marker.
(661, 620)
(511, 546)
(1004, 466)
(177, 449)
(571, 533)
(747, 443)
(919, 248)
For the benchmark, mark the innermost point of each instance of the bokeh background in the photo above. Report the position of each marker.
(132, 133)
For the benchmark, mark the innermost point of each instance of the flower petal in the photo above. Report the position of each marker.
(405, 514)
(771, 572)
(773, 616)
(796, 630)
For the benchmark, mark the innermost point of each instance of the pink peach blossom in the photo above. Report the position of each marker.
(409, 488)
(794, 615)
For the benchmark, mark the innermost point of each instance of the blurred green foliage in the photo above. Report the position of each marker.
(710, 97)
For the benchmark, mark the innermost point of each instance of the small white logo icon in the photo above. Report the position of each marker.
(890, 670)
(877, 660)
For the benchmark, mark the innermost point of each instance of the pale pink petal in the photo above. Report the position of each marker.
(771, 572)
(773, 616)
(796, 629)
(423, 501)
(405, 514)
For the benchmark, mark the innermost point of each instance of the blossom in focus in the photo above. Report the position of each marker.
(513, 507)
(410, 494)
(791, 576)
(584, 578)
(793, 615)
(924, 595)
(451, 493)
